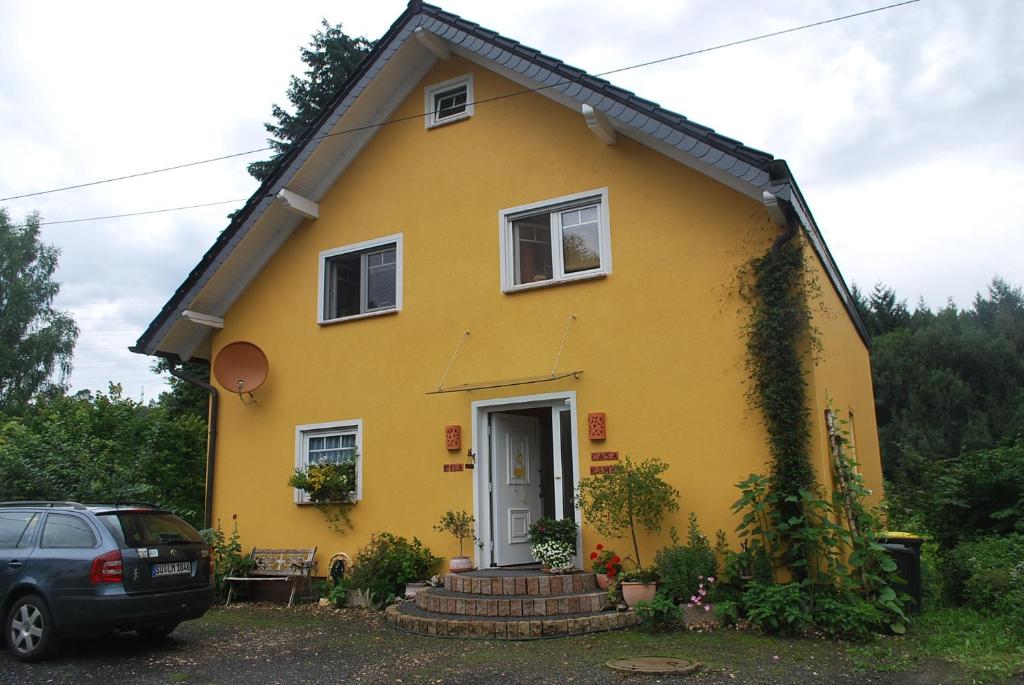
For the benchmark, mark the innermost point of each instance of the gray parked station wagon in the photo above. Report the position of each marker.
(68, 569)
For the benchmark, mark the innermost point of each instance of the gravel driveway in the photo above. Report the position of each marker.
(262, 644)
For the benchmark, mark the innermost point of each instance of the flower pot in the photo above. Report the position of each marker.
(604, 581)
(636, 592)
(460, 564)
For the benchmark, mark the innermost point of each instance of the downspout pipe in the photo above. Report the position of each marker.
(211, 440)
(782, 214)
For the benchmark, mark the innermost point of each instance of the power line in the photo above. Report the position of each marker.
(148, 211)
(303, 141)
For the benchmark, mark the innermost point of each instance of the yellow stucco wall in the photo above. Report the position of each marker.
(841, 379)
(658, 340)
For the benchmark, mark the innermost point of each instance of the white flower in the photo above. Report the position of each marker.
(554, 554)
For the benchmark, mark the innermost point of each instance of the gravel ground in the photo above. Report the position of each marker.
(248, 644)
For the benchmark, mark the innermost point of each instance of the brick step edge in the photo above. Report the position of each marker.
(522, 585)
(532, 629)
(511, 605)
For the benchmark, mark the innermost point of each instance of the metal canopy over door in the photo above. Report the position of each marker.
(516, 482)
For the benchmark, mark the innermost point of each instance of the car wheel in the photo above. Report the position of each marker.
(155, 633)
(29, 630)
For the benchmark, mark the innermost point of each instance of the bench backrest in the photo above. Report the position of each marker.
(281, 562)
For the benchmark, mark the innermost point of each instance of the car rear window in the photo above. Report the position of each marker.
(143, 528)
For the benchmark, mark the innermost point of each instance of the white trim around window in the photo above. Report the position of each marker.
(350, 427)
(365, 249)
(461, 103)
(551, 218)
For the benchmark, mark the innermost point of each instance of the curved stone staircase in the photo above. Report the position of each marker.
(507, 604)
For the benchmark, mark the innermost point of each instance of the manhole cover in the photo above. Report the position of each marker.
(654, 664)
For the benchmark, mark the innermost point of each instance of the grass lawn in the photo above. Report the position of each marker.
(271, 644)
(985, 647)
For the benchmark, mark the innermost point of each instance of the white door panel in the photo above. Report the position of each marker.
(517, 498)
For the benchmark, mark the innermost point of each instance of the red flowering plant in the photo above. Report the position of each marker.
(605, 561)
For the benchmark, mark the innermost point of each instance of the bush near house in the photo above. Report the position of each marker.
(682, 567)
(387, 563)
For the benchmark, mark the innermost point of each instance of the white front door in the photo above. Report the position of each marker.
(516, 479)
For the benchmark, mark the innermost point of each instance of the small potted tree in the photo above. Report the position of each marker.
(460, 525)
(631, 497)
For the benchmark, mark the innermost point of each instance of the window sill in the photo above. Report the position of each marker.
(551, 283)
(357, 317)
(449, 120)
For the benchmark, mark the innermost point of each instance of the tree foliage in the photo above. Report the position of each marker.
(632, 496)
(946, 382)
(331, 57)
(102, 447)
(36, 339)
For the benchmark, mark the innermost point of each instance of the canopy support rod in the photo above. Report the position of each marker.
(572, 317)
(452, 360)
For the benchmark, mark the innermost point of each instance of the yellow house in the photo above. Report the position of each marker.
(485, 275)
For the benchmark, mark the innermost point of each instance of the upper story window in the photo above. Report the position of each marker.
(449, 101)
(361, 280)
(558, 240)
(337, 442)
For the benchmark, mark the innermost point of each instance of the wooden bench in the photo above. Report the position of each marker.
(292, 566)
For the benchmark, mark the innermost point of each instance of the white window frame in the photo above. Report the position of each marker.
(431, 120)
(552, 207)
(365, 246)
(306, 431)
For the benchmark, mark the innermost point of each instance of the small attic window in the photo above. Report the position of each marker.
(449, 101)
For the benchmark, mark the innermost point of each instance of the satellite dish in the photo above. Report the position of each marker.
(241, 367)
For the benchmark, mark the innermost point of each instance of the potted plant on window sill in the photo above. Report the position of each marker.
(331, 488)
(460, 525)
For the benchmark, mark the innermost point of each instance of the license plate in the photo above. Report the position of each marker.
(175, 568)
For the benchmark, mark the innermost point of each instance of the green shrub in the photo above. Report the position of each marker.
(661, 613)
(338, 594)
(387, 563)
(227, 556)
(681, 568)
(982, 572)
(848, 617)
(977, 494)
(554, 530)
(777, 609)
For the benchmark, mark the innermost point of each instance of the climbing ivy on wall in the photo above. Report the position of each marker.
(780, 338)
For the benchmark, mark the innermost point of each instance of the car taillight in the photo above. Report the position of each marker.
(107, 568)
(212, 577)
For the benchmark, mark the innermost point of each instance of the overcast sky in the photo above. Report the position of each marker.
(905, 128)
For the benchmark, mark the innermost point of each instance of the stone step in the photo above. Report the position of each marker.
(407, 616)
(442, 601)
(524, 583)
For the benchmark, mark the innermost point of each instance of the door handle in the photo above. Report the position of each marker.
(14, 564)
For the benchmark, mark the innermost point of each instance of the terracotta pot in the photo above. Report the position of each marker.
(460, 564)
(604, 581)
(636, 592)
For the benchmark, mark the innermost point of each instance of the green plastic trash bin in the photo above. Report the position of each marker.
(905, 550)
